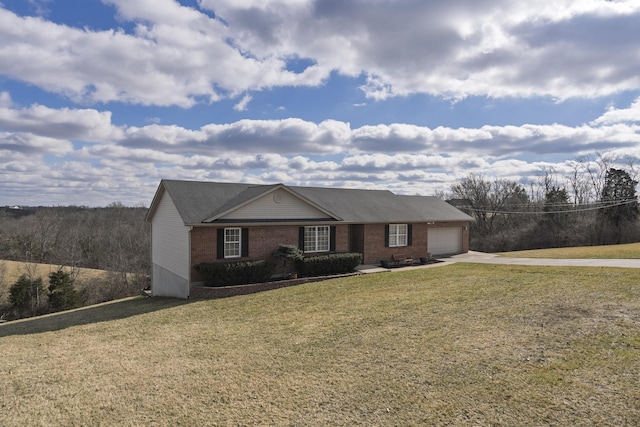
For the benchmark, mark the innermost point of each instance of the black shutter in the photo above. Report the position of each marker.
(386, 236)
(332, 238)
(244, 242)
(301, 238)
(409, 234)
(220, 243)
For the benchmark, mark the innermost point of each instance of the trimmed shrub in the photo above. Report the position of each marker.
(234, 273)
(323, 265)
(288, 255)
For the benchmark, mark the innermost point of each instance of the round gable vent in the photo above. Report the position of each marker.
(278, 197)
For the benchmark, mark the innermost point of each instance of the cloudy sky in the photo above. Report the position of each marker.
(99, 100)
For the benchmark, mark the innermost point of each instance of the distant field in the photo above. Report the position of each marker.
(627, 251)
(463, 344)
(13, 269)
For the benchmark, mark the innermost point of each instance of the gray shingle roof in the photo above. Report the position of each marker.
(197, 201)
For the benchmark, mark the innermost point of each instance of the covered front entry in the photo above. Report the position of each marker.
(444, 241)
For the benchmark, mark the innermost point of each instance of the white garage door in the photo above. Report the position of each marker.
(446, 240)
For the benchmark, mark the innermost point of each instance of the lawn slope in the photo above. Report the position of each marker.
(457, 345)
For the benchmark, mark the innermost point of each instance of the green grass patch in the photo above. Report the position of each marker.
(626, 251)
(458, 345)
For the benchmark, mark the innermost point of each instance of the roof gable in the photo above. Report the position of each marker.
(275, 203)
(195, 200)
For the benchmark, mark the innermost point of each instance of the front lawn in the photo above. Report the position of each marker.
(626, 251)
(462, 344)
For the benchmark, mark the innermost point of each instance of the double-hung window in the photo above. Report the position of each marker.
(232, 242)
(316, 238)
(398, 235)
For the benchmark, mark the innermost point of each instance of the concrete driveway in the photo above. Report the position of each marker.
(484, 258)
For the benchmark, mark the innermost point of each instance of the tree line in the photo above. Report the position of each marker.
(114, 238)
(596, 204)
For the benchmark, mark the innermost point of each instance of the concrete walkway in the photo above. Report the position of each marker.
(485, 258)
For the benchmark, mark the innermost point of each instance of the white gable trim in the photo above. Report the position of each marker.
(155, 201)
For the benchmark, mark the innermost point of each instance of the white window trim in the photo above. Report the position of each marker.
(398, 235)
(239, 242)
(314, 229)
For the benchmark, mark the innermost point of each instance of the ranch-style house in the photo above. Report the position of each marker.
(193, 222)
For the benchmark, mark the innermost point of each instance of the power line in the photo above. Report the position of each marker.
(601, 205)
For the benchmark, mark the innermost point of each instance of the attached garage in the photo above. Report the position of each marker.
(444, 241)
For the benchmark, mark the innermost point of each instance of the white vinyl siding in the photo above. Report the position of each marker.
(397, 235)
(316, 239)
(444, 241)
(277, 205)
(169, 250)
(232, 242)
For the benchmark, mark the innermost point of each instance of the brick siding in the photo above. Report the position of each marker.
(263, 240)
(367, 239)
(375, 251)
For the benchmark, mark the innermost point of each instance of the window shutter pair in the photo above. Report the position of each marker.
(332, 238)
(409, 235)
(244, 242)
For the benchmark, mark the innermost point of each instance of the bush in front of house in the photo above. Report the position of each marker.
(234, 273)
(323, 265)
(288, 255)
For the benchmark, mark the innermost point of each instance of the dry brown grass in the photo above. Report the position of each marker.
(94, 285)
(10, 271)
(457, 345)
(626, 251)
(14, 269)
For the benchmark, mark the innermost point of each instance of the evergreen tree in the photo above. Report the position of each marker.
(62, 295)
(619, 197)
(556, 202)
(25, 293)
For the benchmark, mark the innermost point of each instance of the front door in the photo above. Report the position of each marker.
(356, 238)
